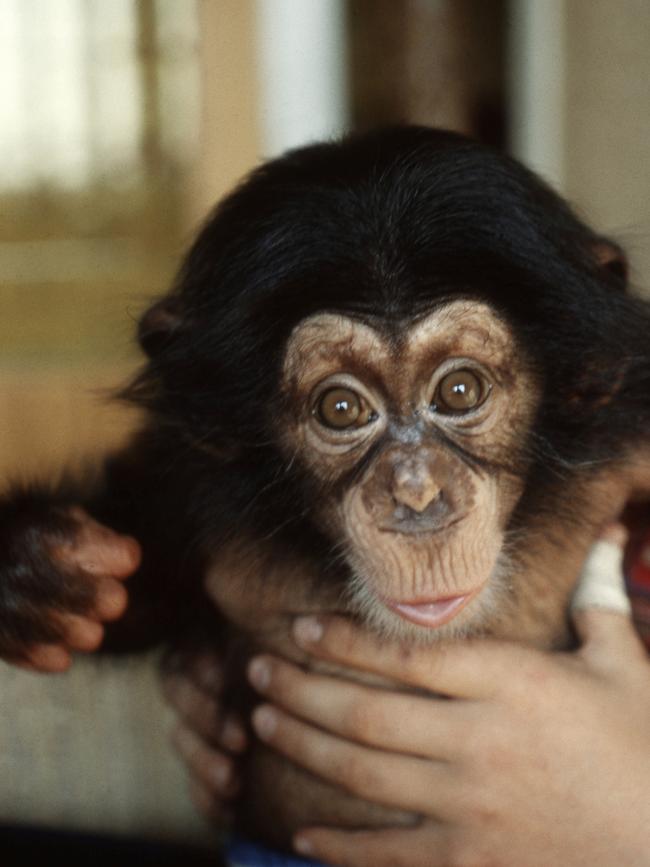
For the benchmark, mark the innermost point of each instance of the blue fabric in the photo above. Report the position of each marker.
(242, 853)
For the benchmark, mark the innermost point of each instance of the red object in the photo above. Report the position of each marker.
(637, 577)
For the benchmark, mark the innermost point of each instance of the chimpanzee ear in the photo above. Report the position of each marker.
(160, 325)
(611, 260)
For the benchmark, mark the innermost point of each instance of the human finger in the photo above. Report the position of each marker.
(81, 633)
(212, 768)
(394, 780)
(395, 847)
(600, 584)
(394, 721)
(210, 807)
(600, 606)
(458, 669)
(201, 712)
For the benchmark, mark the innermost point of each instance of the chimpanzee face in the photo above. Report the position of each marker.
(413, 439)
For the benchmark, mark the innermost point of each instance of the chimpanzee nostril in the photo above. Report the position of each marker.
(434, 513)
(413, 486)
(404, 513)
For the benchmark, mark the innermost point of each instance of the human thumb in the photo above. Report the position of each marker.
(600, 606)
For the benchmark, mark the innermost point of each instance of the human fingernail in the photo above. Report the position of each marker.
(265, 721)
(307, 630)
(259, 673)
(302, 845)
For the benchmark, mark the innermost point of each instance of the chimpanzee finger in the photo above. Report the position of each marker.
(111, 599)
(80, 633)
(77, 633)
(47, 658)
(98, 550)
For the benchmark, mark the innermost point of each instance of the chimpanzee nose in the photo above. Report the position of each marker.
(414, 486)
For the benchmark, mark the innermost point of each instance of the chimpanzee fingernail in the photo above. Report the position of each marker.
(259, 673)
(265, 721)
(307, 630)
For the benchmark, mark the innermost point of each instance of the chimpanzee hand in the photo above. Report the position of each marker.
(60, 574)
(208, 741)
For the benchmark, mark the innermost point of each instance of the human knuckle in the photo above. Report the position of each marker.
(359, 777)
(494, 758)
(461, 851)
(360, 717)
(493, 738)
(536, 674)
(484, 810)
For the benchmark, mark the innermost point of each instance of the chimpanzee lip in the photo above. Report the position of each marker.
(419, 527)
(431, 613)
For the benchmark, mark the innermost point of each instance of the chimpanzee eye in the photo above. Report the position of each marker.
(342, 408)
(460, 391)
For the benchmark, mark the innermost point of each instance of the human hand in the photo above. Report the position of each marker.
(62, 575)
(207, 741)
(539, 758)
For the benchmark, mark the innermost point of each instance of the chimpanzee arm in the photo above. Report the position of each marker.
(65, 549)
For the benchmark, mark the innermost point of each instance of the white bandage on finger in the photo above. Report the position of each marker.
(601, 583)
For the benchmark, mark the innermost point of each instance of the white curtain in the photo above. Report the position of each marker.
(72, 90)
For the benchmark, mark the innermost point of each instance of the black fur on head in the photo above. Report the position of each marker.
(383, 227)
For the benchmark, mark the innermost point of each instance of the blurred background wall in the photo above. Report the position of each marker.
(121, 123)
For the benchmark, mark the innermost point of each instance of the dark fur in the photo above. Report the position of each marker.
(381, 227)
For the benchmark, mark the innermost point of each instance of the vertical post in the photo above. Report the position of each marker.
(537, 86)
(229, 136)
(302, 72)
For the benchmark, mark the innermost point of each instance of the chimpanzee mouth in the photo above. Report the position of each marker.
(420, 526)
(432, 613)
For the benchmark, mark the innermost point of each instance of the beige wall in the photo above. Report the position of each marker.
(90, 749)
(608, 121)
(64, 343)
(229, 135)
